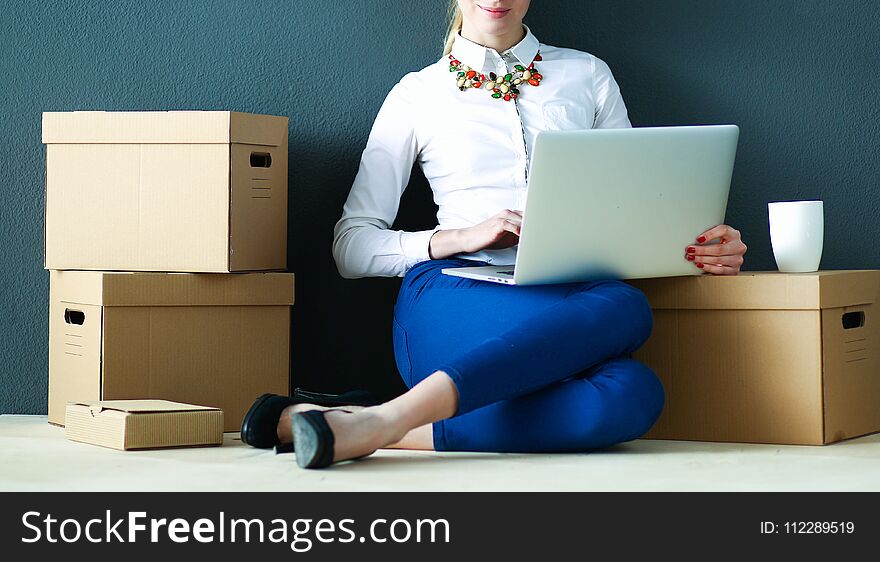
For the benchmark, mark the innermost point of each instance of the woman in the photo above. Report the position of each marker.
(490, 367)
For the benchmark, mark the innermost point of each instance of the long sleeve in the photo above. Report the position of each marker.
(363, 245)
(610, 109)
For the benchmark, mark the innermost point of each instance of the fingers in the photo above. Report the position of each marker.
(734, 248)
(717, 265)
(718, 269)
(735, 261)
(511, 226)
(722, 231)
(509, 221)
(724, 258)
(510, 215)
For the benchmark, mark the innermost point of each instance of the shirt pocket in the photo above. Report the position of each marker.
(560, 116)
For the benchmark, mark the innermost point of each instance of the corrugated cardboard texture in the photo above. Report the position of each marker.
(142, 406)
(761, 291)
(172, 289)
(137, 207)
(852, 372)
(218, 355)
(765, 357)
(143, 424)
(161, 191)
(74, 353)
(259, 206)
(738, 375)
(163, 127)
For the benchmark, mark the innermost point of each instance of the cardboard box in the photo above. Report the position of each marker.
(143, 424)
(766, 357)
(200, 191)
(214, 339)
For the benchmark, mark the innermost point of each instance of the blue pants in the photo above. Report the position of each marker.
(543, 368)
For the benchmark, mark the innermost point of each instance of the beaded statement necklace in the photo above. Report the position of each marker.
(504, 87)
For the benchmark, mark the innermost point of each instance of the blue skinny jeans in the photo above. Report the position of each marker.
(543, 368)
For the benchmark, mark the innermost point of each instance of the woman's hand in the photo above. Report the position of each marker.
(498, 231)
(724, 257)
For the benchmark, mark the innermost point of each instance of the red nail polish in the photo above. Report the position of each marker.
(701, 239)
(690, 257)
(691, 250)
(700, 265)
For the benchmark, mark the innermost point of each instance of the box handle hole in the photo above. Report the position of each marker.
(853, 319)
(74, 316)
(261, 160)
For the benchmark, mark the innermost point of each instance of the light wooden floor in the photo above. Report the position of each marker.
(35, 456)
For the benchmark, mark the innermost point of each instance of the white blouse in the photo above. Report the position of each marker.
(473, 149)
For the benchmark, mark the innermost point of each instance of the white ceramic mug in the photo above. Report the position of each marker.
(797, 231)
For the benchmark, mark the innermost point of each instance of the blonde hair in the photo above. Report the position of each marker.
(455, 20)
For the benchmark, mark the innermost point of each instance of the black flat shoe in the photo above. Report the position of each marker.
(314, 438)
(259, 428)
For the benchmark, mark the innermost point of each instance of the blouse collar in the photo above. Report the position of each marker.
(479, 57)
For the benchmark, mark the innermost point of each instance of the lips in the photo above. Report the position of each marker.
(495, 12)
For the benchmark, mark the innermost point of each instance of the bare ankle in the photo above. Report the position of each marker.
(392, 427)
(284, 430)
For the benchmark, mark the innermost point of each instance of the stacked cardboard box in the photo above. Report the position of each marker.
(152, 220)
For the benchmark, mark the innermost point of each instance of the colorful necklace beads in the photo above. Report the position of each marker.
(504, 87)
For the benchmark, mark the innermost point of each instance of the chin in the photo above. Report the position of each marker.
(492, 28)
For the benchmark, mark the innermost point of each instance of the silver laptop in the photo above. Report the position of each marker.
(618, 204)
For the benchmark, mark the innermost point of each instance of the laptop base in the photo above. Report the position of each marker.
(492, 273)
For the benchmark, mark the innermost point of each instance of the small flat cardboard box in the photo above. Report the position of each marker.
(199, 191)
(766, 357)
(214, 339)
(143, 424)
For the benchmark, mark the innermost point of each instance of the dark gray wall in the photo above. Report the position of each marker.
(799, 76)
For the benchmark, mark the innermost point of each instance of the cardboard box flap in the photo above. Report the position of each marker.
(173, 289)
(763, 291)
(848, 288)
(163, 127)
(141, 406)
